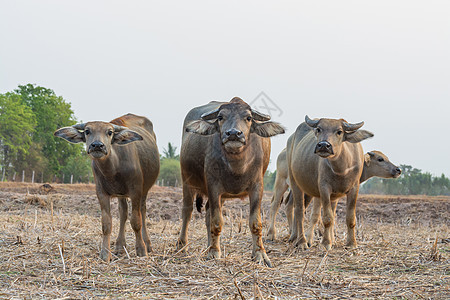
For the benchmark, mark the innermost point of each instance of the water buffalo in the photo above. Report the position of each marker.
(326, 162)
(376, 163)
(224, 153)
(120, 170)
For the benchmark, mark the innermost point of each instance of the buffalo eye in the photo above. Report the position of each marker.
(110, 132)
(249, 118)
(318, 130)
(87, 132)
(380, 159)
(339, 132)
(220, 118)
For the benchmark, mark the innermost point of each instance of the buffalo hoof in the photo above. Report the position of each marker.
(181, 246)
(326, 246)
(141, 251)
(350, 245)
(292, 238)
(301, 244)
(270, 236)
(120, 250)
(261, 258)
(214, 253)
(148, 246)
(105, 255)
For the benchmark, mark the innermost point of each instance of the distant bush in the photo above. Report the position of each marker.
(269, 180)
(170, 172)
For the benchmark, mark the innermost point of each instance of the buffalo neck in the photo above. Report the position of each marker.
(365, 174)
(106, 166)
(343, 163)
(237, 163)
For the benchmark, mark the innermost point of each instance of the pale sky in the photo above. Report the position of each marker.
(383, 62)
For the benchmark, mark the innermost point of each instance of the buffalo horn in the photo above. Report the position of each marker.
(118, 128)
(79, 126)
(211, 115)
(312, 123)
(352, 127)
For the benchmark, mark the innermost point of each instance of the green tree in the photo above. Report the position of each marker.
(51, 112)
(170, 172)
(170, 152)
(17, 124)
(80, 167)
(269, 180)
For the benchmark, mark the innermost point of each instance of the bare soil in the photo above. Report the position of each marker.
(50, 239)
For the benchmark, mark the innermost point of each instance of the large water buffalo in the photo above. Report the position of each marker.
(122, 170)
(224, 153)
(326, 162)
(376, 163)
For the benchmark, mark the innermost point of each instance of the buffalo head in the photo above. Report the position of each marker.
(235, 121)
(98, 136)
(332, 133)
(380, 165)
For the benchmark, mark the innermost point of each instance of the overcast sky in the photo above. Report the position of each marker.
(383, 62)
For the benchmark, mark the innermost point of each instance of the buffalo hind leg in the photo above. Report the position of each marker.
(145, 236)
(186, 214)
(290, 211)
(280, 188)
(123, 216)
(136, 224)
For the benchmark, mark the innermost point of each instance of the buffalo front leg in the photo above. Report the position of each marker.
(258, 253)
(351, 216)
(105, 206)
(327, 219)
(299, 217)
(145, 236)
(315, 216)
(123, 215)
(216, 223)
(136, 224)
(280, 189)
(186, 214)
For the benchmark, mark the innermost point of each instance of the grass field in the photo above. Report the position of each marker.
(49, 248)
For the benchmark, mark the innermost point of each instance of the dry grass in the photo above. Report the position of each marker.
(50, 244)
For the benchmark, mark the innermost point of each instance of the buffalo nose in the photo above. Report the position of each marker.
(96, 146)
(233, 133)
(398, 170)
(324, 145)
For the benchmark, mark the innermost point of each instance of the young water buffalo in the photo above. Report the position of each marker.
(327, 163)
(224, 154)
(376, 163)
(120, 170)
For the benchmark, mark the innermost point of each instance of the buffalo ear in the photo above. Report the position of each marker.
(367, 159)
(267, 129)
(70, 134)
(125, 137)
(202, 127)
(358, 136)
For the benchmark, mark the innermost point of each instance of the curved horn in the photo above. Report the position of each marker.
(257, 116)
(118, 128)
(79, 126)
(211, 115)
(371, 153)
(311, 123)
(352, 127)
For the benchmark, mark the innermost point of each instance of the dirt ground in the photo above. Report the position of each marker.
(50, 239)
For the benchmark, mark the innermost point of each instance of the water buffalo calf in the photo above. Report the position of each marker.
(121, 169)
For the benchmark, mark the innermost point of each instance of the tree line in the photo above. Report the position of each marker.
(412, 182)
